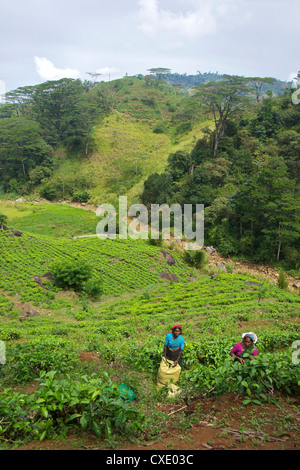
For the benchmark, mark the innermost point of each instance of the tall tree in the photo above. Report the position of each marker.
(224, 99)
(21, 148)
(160, 73)
(257, 83)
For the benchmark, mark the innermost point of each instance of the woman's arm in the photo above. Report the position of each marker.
(238, 357)
(178, 357)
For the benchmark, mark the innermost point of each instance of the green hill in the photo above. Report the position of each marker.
(66, 352)
(144, 126)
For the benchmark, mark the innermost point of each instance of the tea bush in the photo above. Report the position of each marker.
(91, 403)
(25, 361)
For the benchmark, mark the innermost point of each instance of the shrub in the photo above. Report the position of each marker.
(80, 196)
(93, 287)
(95, 404)
(195, 258)
(282, 281)
(71, 274)
(3, 219)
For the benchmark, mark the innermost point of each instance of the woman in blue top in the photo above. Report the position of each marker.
(174, 345)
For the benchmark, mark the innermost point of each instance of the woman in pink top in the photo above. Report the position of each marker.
(245, 349)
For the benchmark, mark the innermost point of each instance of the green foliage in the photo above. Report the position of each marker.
(196, 258)
(244, 172)
(282, 282)
(72, 274)
(3, 219)
(26, 360)
(93, 288)
(80, 196)
(91, 403)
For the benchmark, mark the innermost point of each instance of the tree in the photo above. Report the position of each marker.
(160, 73)
(257, 83)
(266, 207)
(56, 108)
(21, 148)
(223, 99)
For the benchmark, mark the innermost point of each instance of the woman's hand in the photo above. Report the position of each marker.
(242, 361)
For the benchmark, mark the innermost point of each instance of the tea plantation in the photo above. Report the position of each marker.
(48, 332)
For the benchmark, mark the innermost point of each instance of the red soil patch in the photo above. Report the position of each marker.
(220, 423)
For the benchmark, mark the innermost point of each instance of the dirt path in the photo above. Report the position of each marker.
(218, 423)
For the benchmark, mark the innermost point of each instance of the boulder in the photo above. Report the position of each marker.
(222, 266)
(169, 258)
(28, 311)
(168, 276)
(17, 233)
(47, 276)
(37, 279)
(252, 283)
(210, 249)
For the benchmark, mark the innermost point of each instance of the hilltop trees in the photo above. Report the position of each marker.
(37, 120)
(22, 148)
(245, 174)
(224, 99)
(160, 74)
(258, 83)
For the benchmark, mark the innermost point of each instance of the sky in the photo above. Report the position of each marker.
(51, 39)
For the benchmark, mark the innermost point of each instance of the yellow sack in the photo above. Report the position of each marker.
(166, 374)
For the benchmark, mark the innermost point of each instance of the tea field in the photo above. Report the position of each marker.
(68, 357)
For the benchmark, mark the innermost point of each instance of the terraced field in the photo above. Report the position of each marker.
(67, 356)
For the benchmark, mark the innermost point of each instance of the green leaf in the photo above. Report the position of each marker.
(73, 416)
(96, 428)
(44, 411)
(108, 432)
(43, 436)
(83, 421)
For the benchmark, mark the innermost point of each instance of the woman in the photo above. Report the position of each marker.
(170, 366)
(245, 349)
(174, 345)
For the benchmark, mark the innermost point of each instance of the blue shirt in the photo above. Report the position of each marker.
(174, 343)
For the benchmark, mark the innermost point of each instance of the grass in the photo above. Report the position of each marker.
(53, 220)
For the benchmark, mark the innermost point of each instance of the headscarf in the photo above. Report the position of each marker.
(176, 326)
(251, 336)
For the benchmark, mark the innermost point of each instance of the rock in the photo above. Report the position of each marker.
(21, 199)
(297, 285)
(210, 249)
(17, 233)
(252, 283)
(168, 277)
(47, 276)
(28, 311)
(222, 266)
(37, 279)
(214, 275)
(169, 258)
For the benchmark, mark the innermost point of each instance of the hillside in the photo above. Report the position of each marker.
(125, 152)
(143, 127)
(68, 341)
(81, 318)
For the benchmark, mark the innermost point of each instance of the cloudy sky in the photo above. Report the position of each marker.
(50, 39)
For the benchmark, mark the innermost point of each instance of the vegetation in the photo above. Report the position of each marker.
(244, 172)
(83, 320)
